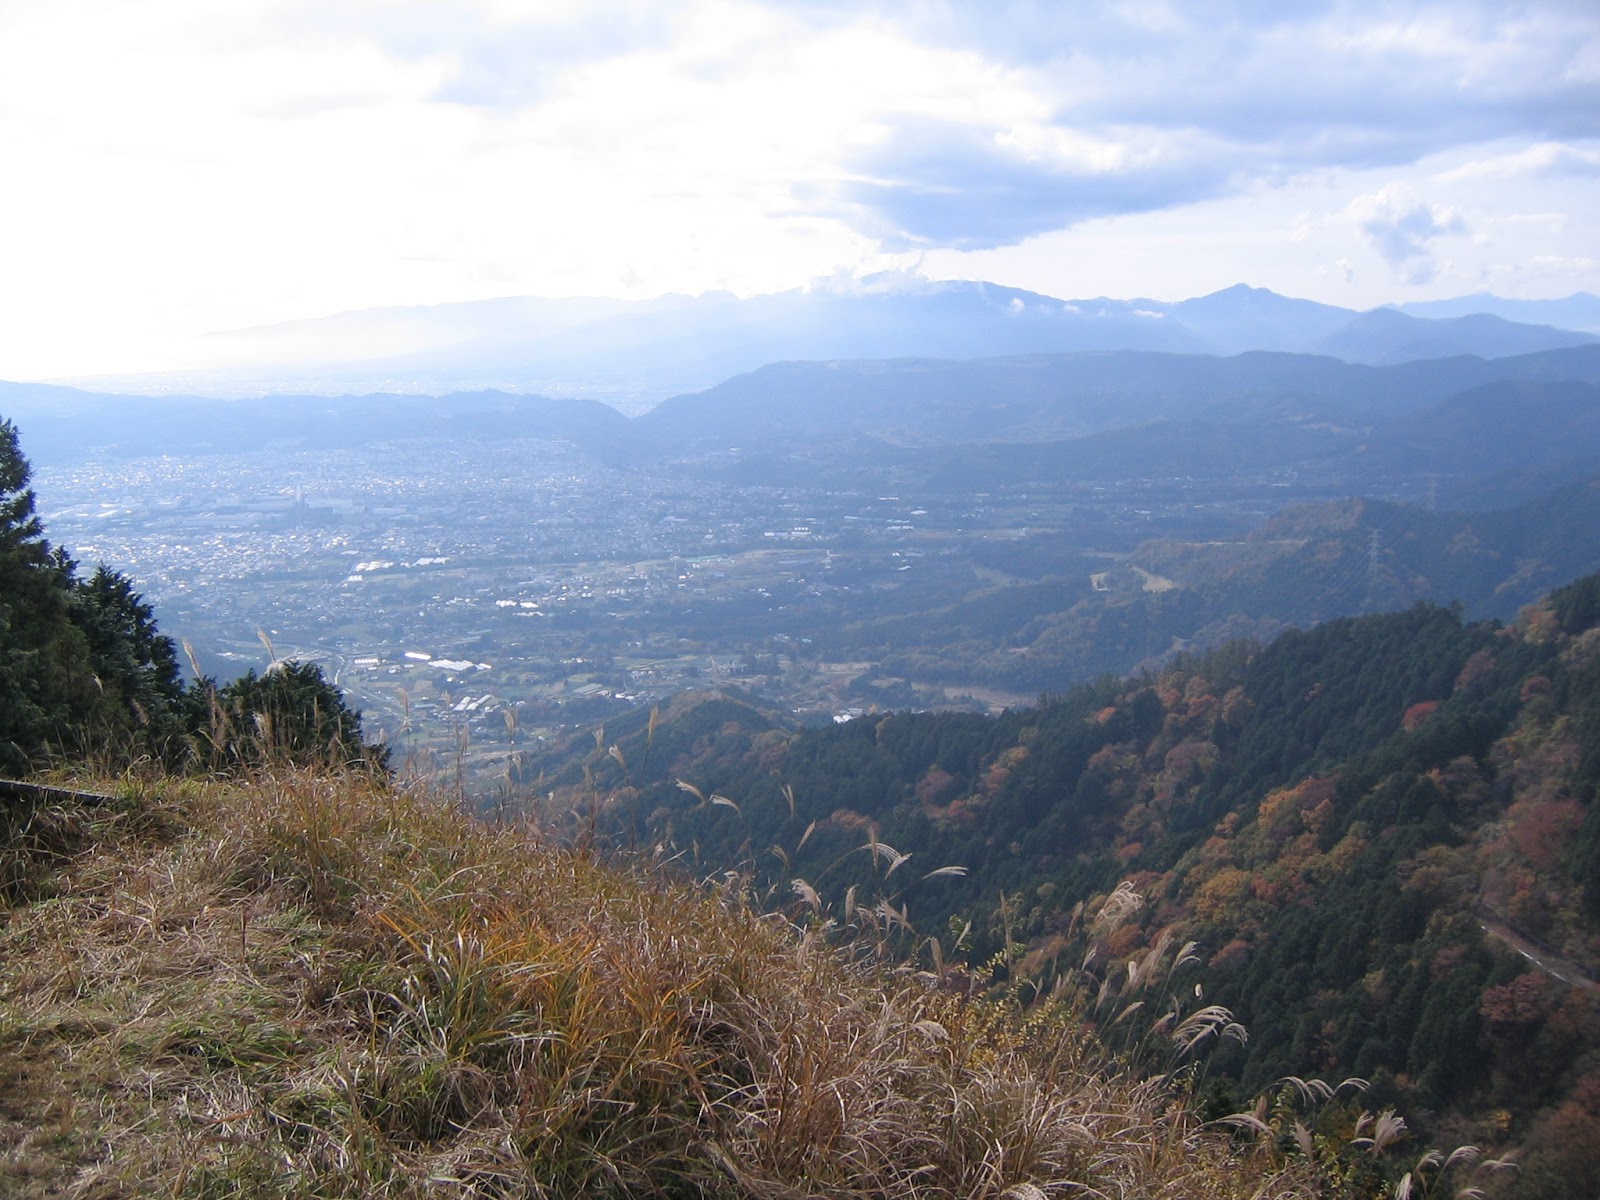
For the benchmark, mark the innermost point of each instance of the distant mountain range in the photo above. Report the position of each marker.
(1486, 432)
(1577, 311)
(633, 354)
(1091, 414)
(1042, 398)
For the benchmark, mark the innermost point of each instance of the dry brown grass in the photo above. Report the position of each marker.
(307, 985)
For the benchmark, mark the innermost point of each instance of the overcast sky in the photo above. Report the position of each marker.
(172, 167)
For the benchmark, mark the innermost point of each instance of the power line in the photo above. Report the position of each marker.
(1374, 550)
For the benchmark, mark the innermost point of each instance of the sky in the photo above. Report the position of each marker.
(170, 168)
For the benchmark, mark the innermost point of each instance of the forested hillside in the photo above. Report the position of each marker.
(1058, 618)
(1361, 826)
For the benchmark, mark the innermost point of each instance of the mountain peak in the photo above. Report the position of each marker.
(1242, 289)
(1241, 318)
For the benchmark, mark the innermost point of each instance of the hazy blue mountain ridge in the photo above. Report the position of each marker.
(63, 424)
(1581, 310)
(1037, 397)
(1242, 318)
(636, 353)
(1386, 336)
(956, 425)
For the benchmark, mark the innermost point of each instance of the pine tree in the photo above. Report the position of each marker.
(290, 713)
(48, 693)
(135, 664)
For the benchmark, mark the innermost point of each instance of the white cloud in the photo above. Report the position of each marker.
(179, 166)
(1403, 229)
(1542, 160)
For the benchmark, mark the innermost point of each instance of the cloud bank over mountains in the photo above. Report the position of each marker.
(635, 353)
(188, 168)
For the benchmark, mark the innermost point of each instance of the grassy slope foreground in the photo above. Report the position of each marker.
(316, 986)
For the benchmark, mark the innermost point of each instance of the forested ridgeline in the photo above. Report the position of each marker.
(1064, 616)
(85, 674)
(1363, 827)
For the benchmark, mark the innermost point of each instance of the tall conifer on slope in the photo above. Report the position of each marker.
(143, 697)
(48, 691)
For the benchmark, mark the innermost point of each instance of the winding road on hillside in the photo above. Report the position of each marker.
(1550, 963)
